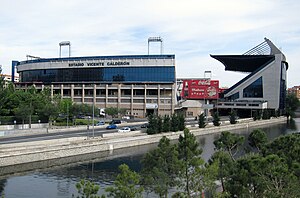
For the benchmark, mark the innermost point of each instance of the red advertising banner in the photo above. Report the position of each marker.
(200, 89)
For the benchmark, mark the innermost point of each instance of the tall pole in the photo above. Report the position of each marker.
(93, 116)
(67, 115)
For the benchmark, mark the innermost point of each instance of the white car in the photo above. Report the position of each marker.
(124, 130)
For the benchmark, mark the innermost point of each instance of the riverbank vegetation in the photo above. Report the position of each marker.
(262, 168)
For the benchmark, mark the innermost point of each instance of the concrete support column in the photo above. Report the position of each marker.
(62, 90)
(51, 91)
(173, 98)
(94, 94)
(83, 94)
(72, 92)
(158, 100)
(131, 100)
(145, 101)
(106, 95)
(119, 96)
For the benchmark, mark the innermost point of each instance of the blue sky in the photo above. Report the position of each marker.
(191, 29)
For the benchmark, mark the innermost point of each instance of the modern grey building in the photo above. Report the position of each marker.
(265, 85)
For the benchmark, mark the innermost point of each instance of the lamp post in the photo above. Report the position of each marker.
(93, 116)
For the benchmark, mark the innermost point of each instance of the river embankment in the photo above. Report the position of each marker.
(22, 154)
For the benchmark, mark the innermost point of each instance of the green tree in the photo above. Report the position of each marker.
(166, 124)
(174, 123)
(257, 139)
(216, 119)
(266, 114)
(219, 168)
(153, 127)
(87, 189)
(232, 117)
(1, 80)
(229, 142)
(160, 168)
(201, 121)
(181, 121)
(126, 184)
(259, 176)
(292, 104)
(112, 111)
(192, 163)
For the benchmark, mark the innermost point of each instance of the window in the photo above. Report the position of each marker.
(234, 96)
(254, 90)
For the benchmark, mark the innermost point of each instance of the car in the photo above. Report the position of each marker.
(112, 126)
(115, 122)
(101, 122)
(124, 130)
(145, 125)
(126, 117)
(133, 128)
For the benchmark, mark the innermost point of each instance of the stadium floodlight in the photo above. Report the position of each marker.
(156, 39)
(65, 43)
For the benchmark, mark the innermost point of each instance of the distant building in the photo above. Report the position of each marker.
(196, 95)
(295, 90)
(8, 78)
(265, 85)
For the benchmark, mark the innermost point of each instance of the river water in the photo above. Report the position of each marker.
(59, 181)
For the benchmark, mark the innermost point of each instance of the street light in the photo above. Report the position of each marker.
(93, 116)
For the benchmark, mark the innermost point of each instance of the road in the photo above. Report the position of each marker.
(57, 135)
(69, 133)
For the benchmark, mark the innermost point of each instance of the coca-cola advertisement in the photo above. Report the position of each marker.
(200, 89)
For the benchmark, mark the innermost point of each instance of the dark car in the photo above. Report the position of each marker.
(133, 128)
(145, 125)
(115, 122)
(101, 122)
(112, 126)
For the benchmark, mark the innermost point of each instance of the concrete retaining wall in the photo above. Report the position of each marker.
(22, 153)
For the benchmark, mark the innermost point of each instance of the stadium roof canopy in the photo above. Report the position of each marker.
(243, 63)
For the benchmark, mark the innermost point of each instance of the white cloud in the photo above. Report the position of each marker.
(191, 29)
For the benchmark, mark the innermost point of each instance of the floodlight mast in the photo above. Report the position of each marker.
(65, 43)
(156, 39)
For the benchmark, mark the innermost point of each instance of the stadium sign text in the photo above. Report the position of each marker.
(112, 63)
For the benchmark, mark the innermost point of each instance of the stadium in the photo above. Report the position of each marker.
(141, 84)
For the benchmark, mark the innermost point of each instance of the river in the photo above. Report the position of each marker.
(59, 181)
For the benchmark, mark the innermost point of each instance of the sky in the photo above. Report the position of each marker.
(190, 29)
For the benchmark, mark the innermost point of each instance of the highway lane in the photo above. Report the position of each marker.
(69, 133)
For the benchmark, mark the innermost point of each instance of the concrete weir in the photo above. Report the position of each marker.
(22, 154)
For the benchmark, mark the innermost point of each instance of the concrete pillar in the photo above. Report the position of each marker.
(106, 95)
(94, 94)
(72, 92)
(83, 94)
(51, 90)
(119, 96)
(62, 90)
(131, 100)
(158, 100)
(145, 100)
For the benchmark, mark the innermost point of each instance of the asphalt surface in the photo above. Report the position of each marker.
(68, 133)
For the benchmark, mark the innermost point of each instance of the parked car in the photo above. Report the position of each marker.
(124, 130)
(145, 125)
(133, 128)
(112, 126)
(115, 122)
(101, 122)
(126, 117)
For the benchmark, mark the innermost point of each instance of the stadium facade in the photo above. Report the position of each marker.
(265, 85)
(142, 84)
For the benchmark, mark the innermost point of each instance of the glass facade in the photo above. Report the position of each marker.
(104, 74)
(254, 90)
